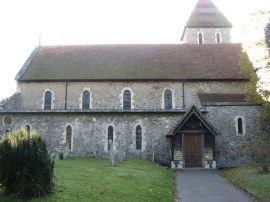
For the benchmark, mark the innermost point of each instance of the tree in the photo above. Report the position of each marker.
(267, 35)
(258, 150)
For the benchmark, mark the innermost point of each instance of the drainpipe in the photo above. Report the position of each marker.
(183, 95)
(66, 95)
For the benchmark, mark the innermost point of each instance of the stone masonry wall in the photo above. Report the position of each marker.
(89, 132)
(108, 95)
(229, 146)
(90, 129)
(209, 35)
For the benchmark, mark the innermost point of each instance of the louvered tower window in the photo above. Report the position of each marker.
(218, 38)
(200, 38)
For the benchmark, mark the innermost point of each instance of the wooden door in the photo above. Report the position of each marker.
(193, 150)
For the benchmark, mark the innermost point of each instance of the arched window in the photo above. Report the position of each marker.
(138, 138)
(168, 99)
(200, 38)
(110, 137)
(48, 100)
(240, 125)
(126, 99)
(218, 38)
(28, 130)
(69, 136)
(86, 100)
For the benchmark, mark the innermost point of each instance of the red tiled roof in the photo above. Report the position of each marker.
(206, 14)
(134, 62)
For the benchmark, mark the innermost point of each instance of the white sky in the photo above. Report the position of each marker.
(97, 22)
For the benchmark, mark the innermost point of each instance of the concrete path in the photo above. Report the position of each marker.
(204, 185)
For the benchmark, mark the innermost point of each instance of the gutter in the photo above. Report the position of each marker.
(183, 94)
(66, 94)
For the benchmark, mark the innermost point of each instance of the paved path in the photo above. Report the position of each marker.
(203, 185)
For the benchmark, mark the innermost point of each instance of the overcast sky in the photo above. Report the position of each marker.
(97, 22)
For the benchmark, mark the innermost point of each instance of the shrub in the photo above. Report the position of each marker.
(258, 153)
(26, 169)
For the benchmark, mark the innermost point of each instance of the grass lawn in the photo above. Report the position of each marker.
(248, 178)
(93, 179)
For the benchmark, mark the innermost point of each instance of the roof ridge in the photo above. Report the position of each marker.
(141, 44)
(109, 44)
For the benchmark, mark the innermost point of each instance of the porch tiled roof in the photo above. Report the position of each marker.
(193, 111)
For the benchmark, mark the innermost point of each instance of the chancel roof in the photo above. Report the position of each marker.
(218, 97)
(134, 62)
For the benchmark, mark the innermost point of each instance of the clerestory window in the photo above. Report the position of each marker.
(127, 99)
(168, 99)
(86, 100)
(48, 100)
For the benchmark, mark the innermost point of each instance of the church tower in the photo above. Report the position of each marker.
(207, 25)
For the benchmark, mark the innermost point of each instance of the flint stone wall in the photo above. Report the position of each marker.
(209, 35)
(89, 132)
(229, 146)
(108, 95)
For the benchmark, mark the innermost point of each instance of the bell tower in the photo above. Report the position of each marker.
(207, 25)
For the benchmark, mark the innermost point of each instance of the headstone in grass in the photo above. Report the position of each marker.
(121, 153)
(112, 153)
(93, 150)
(153, 154)
(65, 150)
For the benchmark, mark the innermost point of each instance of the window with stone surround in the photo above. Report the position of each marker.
(200, 38)
(218, 38)
(69, 137)
(138, 137)
(240, 126)
(127, 99)
(86, 100)
(48, 100)
(168, 99)
(110, 137)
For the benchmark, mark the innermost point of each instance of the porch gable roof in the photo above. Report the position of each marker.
(193, 111)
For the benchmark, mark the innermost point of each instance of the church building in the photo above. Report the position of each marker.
(181, 104)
